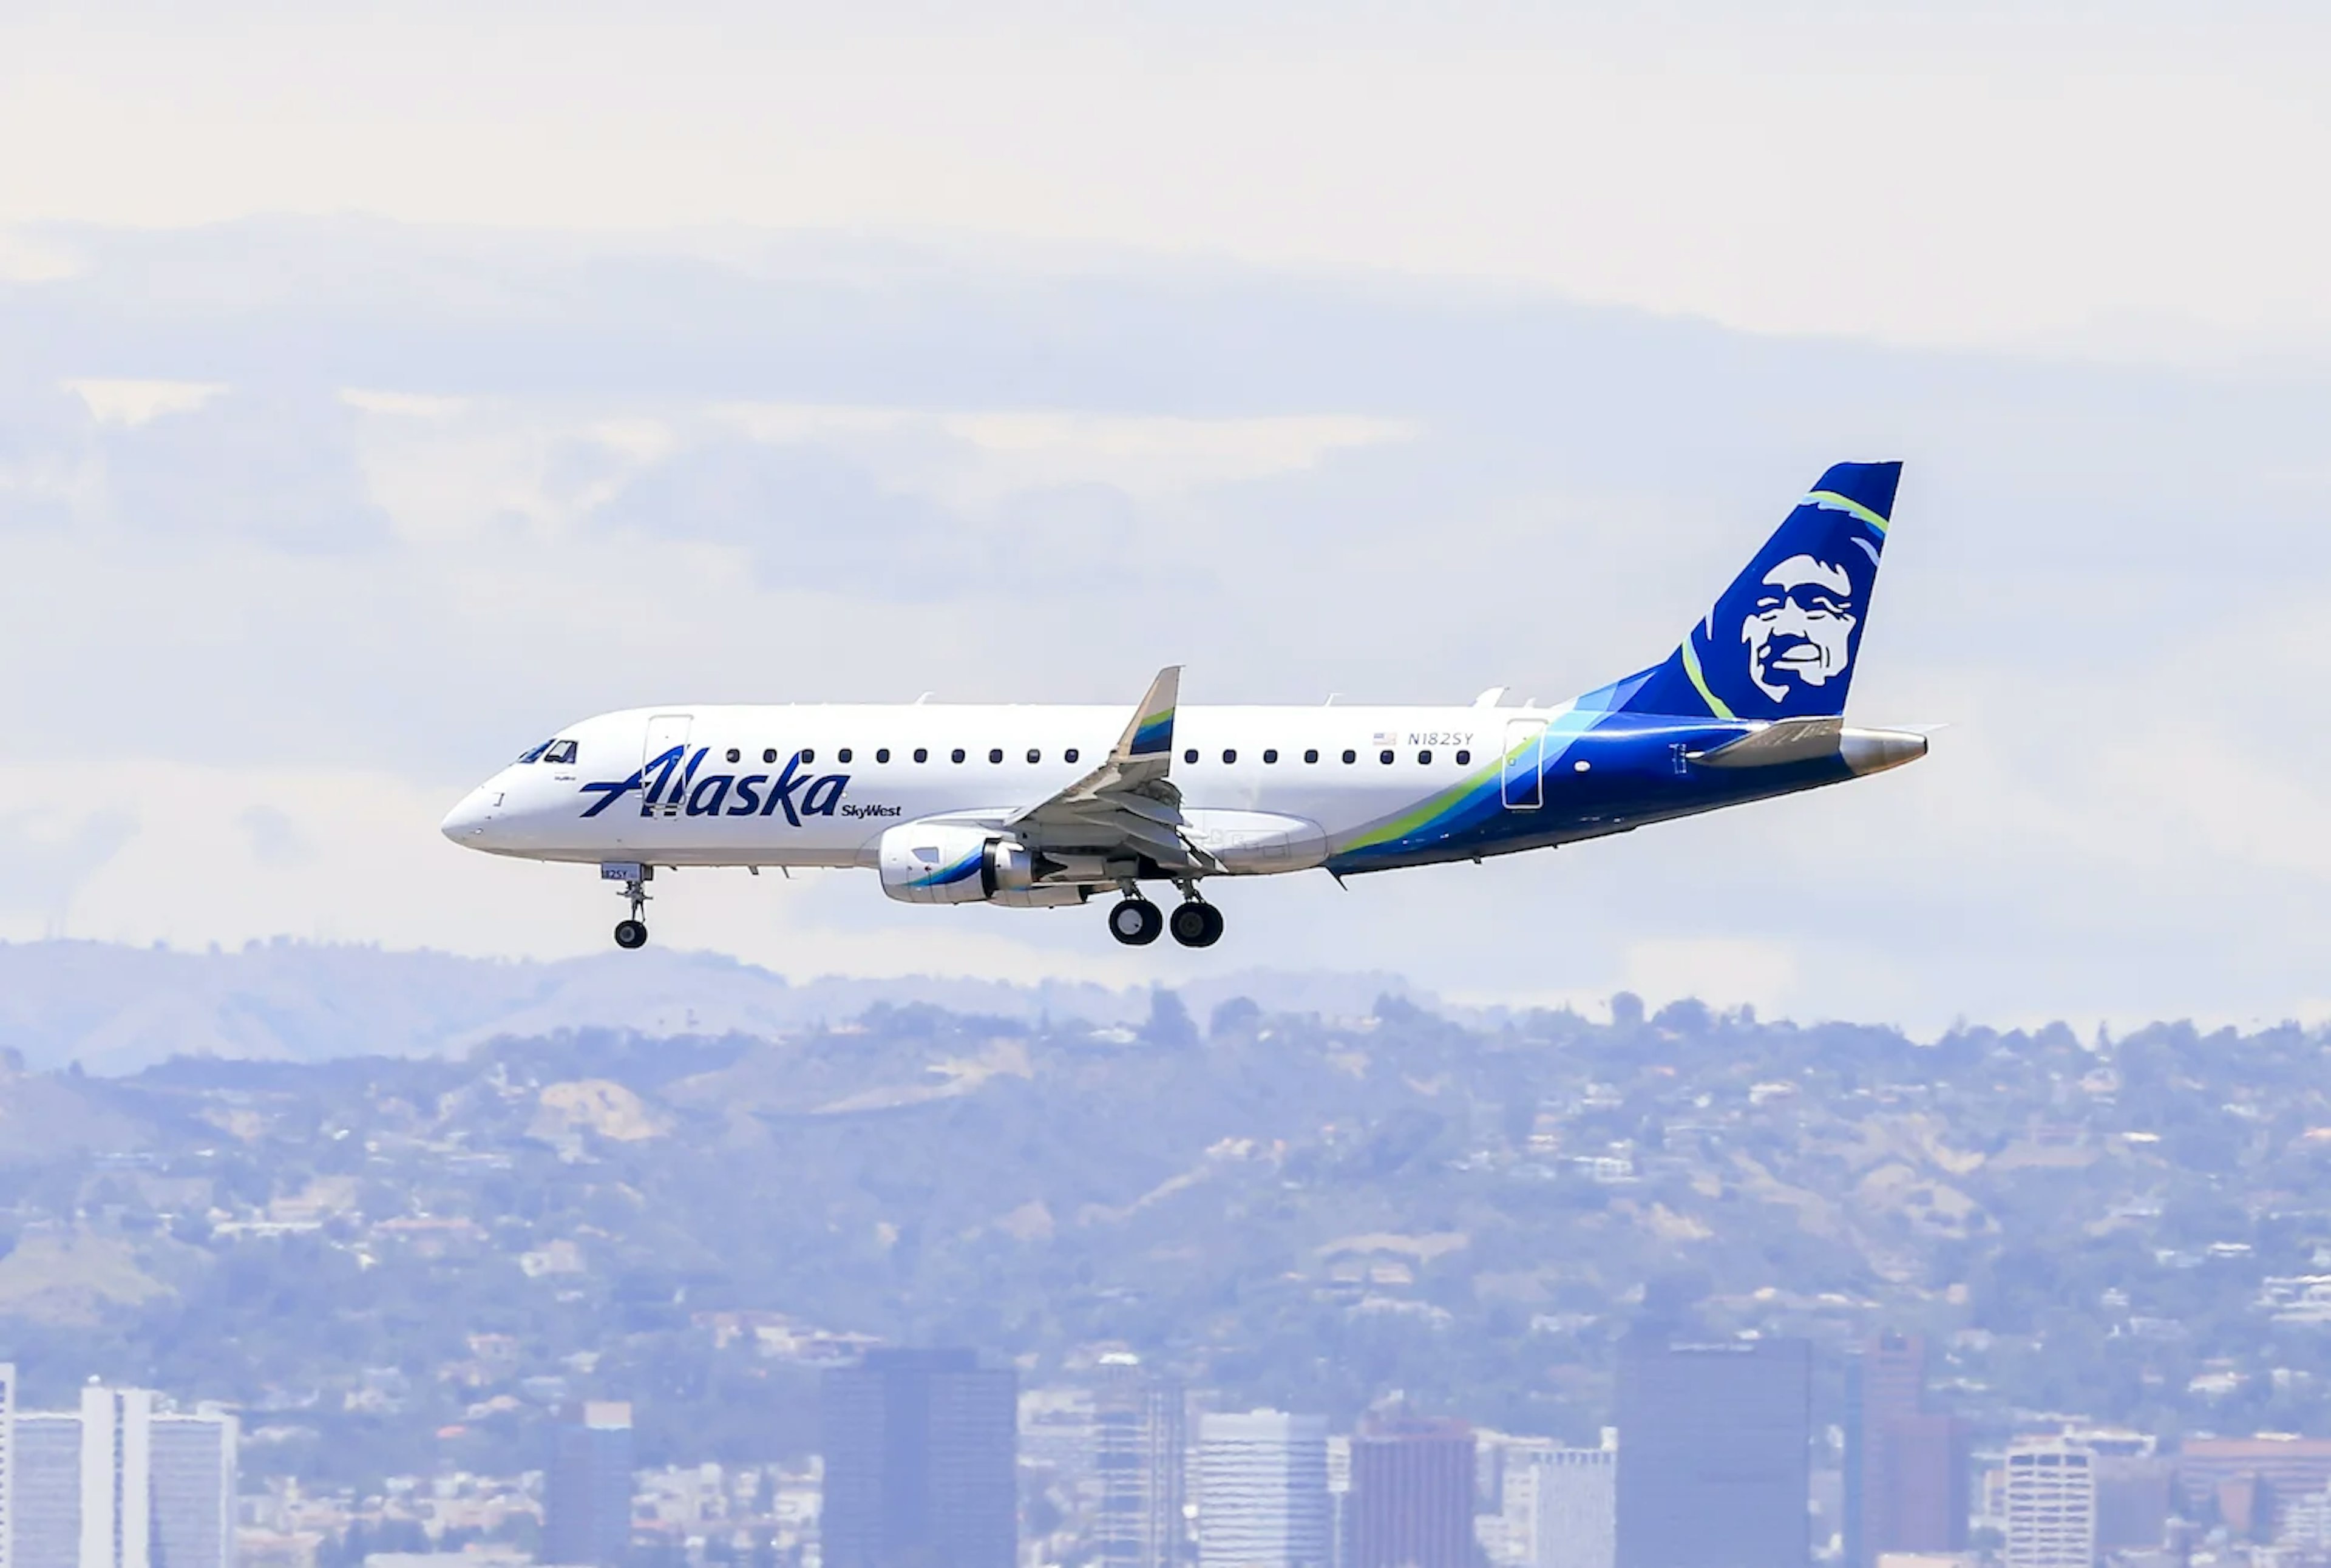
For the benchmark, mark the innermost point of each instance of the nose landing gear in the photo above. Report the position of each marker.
(633, 933)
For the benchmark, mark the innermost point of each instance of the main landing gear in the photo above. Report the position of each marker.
(1196, 923)
(1136, 922)
(631, 934)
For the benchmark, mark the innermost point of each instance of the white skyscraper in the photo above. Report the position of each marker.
(1575, 1506)
(117, 1493)
(121, 1484)
(1263, 1491)
(8, 1435)
(2051, 1504)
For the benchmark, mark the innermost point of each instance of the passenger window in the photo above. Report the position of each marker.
(882, 753)
(1311, 754)
(995, 754)
(560, 750)
(1385, 757)
(1463, 758)
(736, 756)
(841, 755)
(958, 754)
(1191, 754)
(769, 756)
(1229, 755)
(1350, 756)
(1070, 755)
(922, 754)
(1270, 755)
(1034, 755)
(807, 757)
(1425, 757)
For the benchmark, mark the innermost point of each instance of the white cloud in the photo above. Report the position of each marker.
(115, 402)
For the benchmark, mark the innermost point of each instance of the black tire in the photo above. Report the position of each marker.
(1196, 924)
(631, 934)
(1135, 922)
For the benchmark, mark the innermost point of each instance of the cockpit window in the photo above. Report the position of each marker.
(534, 754)
(560, 750)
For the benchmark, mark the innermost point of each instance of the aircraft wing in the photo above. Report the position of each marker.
(1126, 804)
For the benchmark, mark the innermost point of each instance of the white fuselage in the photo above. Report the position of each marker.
(817, 784)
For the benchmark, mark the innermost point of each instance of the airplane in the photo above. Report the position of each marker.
(1040, 805)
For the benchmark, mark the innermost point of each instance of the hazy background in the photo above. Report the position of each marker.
(381, 391)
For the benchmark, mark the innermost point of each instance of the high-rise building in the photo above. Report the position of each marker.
(45, 1462)
(1506, 1522)
(7, 1434)
(1906, 1473)
(1339, 1499)
(124, 1483)
(2239, 1479)
(2051, 1504)
(1411, 1502)
(1575, 1512)
(921, 1463)
(117, 1490)
(1140, 1434)
(1262, 1490)
(586, 1487)
(1717, 1443)
(191, 1462)
(1553, 1507)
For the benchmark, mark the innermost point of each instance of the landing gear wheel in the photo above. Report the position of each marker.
(1135, 922)
(1197, 924)
(631, 934)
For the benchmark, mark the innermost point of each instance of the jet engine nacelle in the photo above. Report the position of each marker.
(959, 863)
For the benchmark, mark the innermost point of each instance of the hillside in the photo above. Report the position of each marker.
(1280, 1206)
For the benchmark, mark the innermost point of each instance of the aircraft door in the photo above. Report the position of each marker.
(665, 730)
(1524, 786)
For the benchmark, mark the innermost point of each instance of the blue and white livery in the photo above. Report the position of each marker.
(1035, 805)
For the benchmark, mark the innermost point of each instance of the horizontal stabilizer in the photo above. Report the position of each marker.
(1784, 740)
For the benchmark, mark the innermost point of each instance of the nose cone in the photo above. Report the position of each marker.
(470, 825)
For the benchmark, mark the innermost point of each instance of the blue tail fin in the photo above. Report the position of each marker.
(1781, 642)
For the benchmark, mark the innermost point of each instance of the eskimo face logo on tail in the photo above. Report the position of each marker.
(1800, 629)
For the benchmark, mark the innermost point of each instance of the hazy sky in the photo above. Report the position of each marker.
(1944, 172)
(382, 388)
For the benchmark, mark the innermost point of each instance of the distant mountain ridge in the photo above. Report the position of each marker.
(114, 1009)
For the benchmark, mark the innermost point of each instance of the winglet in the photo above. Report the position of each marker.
(1151, 733)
